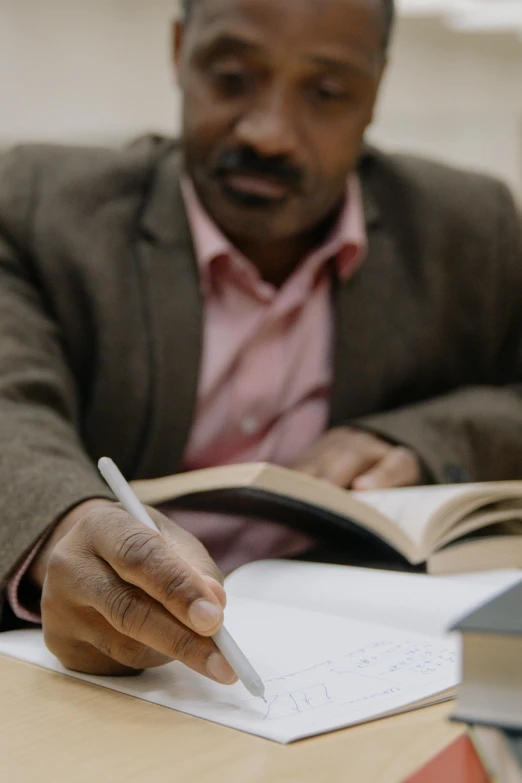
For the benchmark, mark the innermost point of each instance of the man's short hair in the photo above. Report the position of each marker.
(388, 10)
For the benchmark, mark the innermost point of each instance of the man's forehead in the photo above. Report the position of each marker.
(358, 22)
(217, 8)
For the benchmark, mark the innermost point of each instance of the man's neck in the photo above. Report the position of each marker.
(277, 260)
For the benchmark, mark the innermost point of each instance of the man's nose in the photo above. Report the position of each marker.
(268, 127)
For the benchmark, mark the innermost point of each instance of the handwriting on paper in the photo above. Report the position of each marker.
(376, 671)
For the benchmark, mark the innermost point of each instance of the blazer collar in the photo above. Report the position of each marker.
(164, 218)
(372, 211)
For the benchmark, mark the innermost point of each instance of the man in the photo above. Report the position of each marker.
(270, 290)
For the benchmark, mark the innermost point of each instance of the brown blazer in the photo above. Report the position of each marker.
(100, 324)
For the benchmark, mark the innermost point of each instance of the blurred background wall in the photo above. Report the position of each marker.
(98, 71)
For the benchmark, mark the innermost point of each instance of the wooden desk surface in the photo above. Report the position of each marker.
(54, 729)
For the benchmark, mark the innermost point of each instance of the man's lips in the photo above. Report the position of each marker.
(257, 185)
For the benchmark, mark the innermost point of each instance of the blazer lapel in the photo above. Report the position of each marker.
(363, 305)
(175, 309)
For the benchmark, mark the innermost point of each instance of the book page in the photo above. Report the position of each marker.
(413, 602)
(425, 514)
(412, 508)
(321, 673)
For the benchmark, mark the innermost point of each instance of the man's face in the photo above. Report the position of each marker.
(277, 96)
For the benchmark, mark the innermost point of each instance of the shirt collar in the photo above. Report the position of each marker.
(347, 242)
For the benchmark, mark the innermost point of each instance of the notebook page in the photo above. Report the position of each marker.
(413, 602)
(321, 673)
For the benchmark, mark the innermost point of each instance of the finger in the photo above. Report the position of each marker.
(136, 617)
(93, 606)
(141, 557)
(341, 468)
(79, 655)
(193, 552)
(131, 655)
(341, 454)
(398, 468)
(198, 653)
(112, 654)
(340, 465)
(124, 624)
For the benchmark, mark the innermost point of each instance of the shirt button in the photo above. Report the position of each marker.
(249, 425)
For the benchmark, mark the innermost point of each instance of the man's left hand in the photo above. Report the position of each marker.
(353, 458)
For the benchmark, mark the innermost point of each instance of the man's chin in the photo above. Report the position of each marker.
(254, 225)
(241, 216)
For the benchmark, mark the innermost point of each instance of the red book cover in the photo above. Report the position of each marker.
(458, 763)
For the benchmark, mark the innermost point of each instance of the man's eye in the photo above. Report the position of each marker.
(330, 92)
(231, 80)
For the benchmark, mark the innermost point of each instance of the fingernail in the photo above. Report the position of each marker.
(204, 615)
(220, 670)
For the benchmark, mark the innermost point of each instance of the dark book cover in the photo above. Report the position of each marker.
(514, 740)
(354, 543)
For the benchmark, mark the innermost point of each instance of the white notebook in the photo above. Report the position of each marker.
(354, 655)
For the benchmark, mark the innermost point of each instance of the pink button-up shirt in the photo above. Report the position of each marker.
(266, 369)
(266, 373)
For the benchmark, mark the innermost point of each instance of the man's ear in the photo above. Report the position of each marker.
(177, 32)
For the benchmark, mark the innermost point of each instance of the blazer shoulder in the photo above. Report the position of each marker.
(62, 162)
(472, 198)
(71, 180)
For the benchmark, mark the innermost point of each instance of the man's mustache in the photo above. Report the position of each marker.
(243, 160)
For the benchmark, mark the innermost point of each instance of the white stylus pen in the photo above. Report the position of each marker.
(223, 640)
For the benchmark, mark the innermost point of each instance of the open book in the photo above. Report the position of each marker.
(450, 527)
(334, 645)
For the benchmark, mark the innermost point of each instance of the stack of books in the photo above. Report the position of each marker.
(490, 695)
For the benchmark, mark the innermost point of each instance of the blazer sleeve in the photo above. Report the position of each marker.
(475, 433)
(44, 470)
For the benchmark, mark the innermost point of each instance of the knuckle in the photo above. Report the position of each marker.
(59, 563)
(209, 568)
(360, 437)
(404, 455)
(71, 580)
(127, 652)
(103, 645)
(126, 610)
(186, 646)
(175, 580)
(134, 655)
(96, 523)
(132, 549)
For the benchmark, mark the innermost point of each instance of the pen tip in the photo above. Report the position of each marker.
(264, 699)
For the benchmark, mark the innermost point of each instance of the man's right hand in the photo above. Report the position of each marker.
(118, 598)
